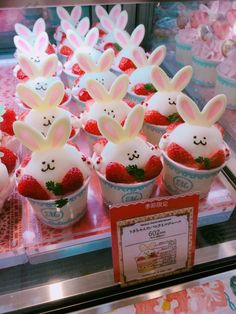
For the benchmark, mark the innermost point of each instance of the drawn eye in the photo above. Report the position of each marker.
(204, 138)
(194, 137)
(43, 162)
(135, 152)
(128, 154)
(53, 160)
(45, 117)
(104, 110)
(112, 111)
(53, 117)
(169, 98)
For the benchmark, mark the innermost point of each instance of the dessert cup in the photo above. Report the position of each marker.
(227, 86)
(183, 52)
(70, 78)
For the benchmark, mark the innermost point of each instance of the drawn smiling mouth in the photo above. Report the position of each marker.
(48, 168)
(41, 88)
(133, 156)
(172, 103)
(47, 124)
(200, 142)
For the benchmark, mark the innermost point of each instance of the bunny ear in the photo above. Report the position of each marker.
(100, 11)
(22, 45)
(49, 65)
(137, 35)
(83, 26)
(214, 109)
(122, 20)
(115, 11)
(76, 13)
(138, 57)
(97, 91)
(122, 37)
(41, 42)
(107, 24)
(157, 56)
(66, 25)
(59, 133)
(63, 14)
(188, 110)
(54, 95)
(39, 26)
(182, 78)
(204, 8)
(160, 79)
(106, 60)
(29, 96)
(23, 31)
(134, 122)
(28, 136)
(110, 129)
(74, 39)
(27, 66)
(85, 62)
(119, 87)
(92, 37)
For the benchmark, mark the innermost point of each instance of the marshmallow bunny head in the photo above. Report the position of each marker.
(128, 42)
(51, 157)
(99, 70)
(36, 51)
(198, 135)
(144, 64)
(44, 110)
(27, 34)
(164, 100)
(110, 102)
(111, 24)
(86, 44)
(124, 144)
(72, 18)
(41, 76)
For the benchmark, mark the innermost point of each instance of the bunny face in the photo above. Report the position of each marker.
(164, 101)
(52, 158)
(108, 103)
(144, 65)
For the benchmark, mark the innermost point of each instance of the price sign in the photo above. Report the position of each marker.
(153, 238)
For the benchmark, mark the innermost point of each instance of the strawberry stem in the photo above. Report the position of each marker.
(135, 172)
(55, 188)
(149, 87)
(203, 160)
(174, 117)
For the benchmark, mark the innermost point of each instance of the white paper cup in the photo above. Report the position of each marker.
(114, 193)
(62, 57)
(114, 69)
(51, 215)
(70, 78)
(153, 132)
(183, 52)
(204, 71)
(179, 179)
(137, 99)
(227, 86)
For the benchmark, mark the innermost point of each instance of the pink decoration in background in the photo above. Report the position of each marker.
(198, 18)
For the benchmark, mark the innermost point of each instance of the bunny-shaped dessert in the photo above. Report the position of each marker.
(197, 143)
(52, 161)
(45, 109)
(72, 18)
(164, 100)
(106, 102)
(127, 148)
(24, 32)
(110, 25)
(127, 43)
(144, 64)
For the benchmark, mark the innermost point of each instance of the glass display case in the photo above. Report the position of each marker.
(45, 269)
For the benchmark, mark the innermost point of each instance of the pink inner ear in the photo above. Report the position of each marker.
(66, 25)
(157, 56)
(100, 11)
(115, 11)
(188, 109)
(84, 62)
(181, 80)
(95, 91)
(121, 38)
(214, 109)
(134, 123)
(138, 56)
(110, 129)
(42, 43)
(49, 67)
(74, 40)
(138, 37)
(25, 135)
(39, 27)
(159, 79)
(63, 14)
(119, 88)
(23, 31)
(83, 27)
(92, 39)
(76, 12)
(28, 99)
(23, 45)
(53, 97)
(58, 135)
(107, 24)
(26, 67)
(105, 62)
(122, 21)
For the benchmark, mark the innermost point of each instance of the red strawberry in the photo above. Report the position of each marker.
(172, 126)
(9, 117)
(217, 159)
(50, 50)
(9, 159)
(152, 168)
(30, 187)
(101, 32)
(180, 155)
(21, 75)
(84, 95)
(92, 127)
(25, 161)
(126, 64)
(72, 181)
(139, 89)
(77, 70)
(66, 51)
(109, 45)
(64, 99)
(220, 128)
(129, 102)
(72, 133)
(116, 172)
(154, 117)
